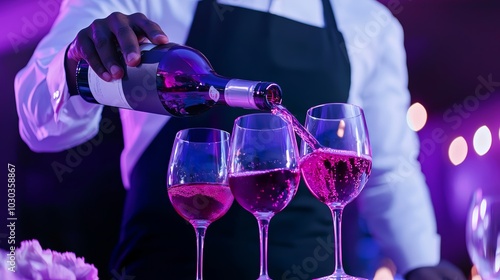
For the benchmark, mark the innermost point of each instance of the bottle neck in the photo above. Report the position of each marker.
(252, 94)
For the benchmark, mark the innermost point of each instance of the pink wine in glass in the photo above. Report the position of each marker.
(264, 191)
(335, 177)
(201, 201)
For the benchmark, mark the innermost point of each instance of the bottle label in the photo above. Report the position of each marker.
(107, 93)
(146, 46)
(139, 85)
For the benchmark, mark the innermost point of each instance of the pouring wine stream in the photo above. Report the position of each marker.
(305, 135)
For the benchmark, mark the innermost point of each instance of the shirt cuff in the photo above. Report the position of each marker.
(58, 89)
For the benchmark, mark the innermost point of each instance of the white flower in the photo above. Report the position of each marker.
(33, 263)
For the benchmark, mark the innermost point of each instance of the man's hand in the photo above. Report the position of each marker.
(443, 271)
(103, 41)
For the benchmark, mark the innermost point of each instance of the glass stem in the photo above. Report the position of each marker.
(200, 238)
(263, 221)
(337, 234)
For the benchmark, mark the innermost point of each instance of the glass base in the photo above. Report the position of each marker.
(340, 277)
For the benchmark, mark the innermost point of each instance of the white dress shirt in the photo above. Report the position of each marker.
(395, 201)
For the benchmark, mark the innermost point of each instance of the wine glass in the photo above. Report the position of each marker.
(483, 235)
(263, 170)
(197, 182)
(336, 172)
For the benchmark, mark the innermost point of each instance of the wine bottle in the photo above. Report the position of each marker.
(174, 80)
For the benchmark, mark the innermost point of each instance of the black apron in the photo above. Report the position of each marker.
(311, 66)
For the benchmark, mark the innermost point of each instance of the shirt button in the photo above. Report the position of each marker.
(56, 94)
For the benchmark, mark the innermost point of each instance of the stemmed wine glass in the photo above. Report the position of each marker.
(263, 170)
(336, 172)
(483, 235)
(197, 182)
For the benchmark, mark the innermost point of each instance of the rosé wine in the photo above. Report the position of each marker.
(264, 191)
(201, 201)
(335, 177)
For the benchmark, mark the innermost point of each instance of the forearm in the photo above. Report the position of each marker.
(49, 120)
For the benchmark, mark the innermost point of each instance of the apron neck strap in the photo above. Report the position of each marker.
(330, 21)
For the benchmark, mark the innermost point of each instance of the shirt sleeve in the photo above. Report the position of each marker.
(49, 119)
(395, 202)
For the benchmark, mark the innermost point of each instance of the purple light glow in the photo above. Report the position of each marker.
(25, 22)
(456, 80)
(477, 171)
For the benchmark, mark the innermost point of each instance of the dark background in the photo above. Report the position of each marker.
(451, 47)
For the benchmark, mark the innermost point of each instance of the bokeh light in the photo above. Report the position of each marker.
(458, 150)
(341, 129)
(482, 140)
(416, 116)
